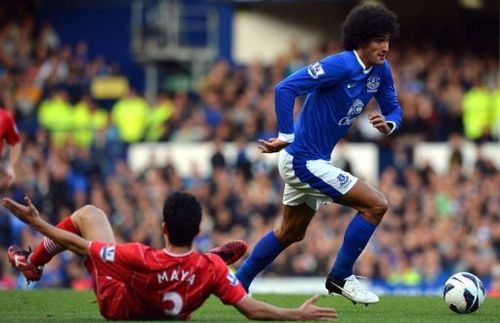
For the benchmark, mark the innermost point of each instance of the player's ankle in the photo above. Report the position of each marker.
(338, 276)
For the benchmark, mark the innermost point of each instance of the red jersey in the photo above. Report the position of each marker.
(8, 129)
(155, 284)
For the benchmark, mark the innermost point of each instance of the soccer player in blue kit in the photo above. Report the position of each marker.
(338, 88)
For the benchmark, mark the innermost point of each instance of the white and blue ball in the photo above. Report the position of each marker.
(463, 293)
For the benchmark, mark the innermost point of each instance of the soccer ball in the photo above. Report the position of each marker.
(463, 293)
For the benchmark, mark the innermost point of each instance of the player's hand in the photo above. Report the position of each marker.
(272, 145)
(309, 311)
(378, 122)
(26, 213)
(11, 175)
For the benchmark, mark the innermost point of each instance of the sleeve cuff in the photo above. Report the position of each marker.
(286, 137)
(393, 127)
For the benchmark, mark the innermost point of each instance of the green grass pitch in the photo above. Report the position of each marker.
(60, 305)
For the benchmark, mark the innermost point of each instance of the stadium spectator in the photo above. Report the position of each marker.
(152, 284)
(130, 115)
(55, 114)
(336, 96)
(88, 119)
(161, 113)
(478, 112)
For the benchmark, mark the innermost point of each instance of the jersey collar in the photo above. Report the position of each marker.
(178, 254)
(365, 70)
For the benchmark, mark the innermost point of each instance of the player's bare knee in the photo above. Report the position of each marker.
(377, 210)
(88, 212)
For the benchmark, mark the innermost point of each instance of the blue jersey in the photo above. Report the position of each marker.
(338, 89)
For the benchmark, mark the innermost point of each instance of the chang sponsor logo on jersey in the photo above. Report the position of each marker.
(107, 253)
(373, 83)
(315, 70)
(353, 113)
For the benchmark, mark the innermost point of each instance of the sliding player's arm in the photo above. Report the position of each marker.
(230, 291)
(30, 215)
(257, 310)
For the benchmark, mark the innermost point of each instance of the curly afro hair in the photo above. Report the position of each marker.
(367, 22)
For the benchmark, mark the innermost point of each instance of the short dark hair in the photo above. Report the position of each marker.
(182, 217)
(367, 22)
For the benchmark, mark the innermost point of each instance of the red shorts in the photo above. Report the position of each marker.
(113, 297)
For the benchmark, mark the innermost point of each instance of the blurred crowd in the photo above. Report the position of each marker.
(75, 152)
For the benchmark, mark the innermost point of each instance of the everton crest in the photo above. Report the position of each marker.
(373, 83)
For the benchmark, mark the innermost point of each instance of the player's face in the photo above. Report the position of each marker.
(375, 51)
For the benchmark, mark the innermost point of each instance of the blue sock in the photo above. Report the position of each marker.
(356, 236)
(264, 252)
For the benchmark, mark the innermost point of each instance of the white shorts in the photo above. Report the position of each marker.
(313, 182)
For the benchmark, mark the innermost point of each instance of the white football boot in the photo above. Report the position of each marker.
(352, 289)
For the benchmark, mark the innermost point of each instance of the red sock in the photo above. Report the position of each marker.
(48, 248)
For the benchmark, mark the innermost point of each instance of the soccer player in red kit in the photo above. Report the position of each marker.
(134, 281)
(9, 134)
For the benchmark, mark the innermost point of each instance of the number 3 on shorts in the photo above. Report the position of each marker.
(176, 299)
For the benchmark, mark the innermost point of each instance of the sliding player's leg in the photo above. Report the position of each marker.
(93, 224)
(113, 297)
(230, 252)
(89, 222)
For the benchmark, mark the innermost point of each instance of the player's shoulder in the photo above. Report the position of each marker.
(344, 60)
(140, 255)
(128, 247)
(383, 70)
(386, 66)
(208, 262)
(135, 246)
(343, 57)
(135, 251)
(346, 55)
(213, 260)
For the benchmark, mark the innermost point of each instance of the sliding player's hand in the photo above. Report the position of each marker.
(309, 311)
(378, 122)
(26, 213)
(272, 145)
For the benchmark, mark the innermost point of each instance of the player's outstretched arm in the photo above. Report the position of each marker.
(29, 214)
(257, 310)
